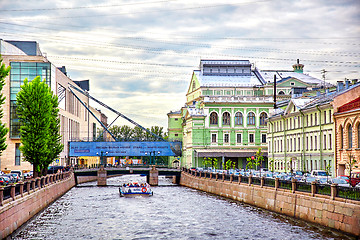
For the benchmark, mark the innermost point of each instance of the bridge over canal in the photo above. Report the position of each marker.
(151, 173)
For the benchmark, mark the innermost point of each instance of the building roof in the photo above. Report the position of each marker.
(268, 76)
(9, 49)
(227, 81)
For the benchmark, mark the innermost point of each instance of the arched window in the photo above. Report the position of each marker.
(281, 93)
(238, 118)
(358, 135)
(214, 118)
(251, 118)
(263, 117)
(341, 137)
(350, 136)
(226, 118)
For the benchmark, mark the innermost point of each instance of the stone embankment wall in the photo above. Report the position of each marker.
(340, 214)
(20, 208)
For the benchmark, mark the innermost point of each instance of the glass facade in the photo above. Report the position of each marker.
(19, 71)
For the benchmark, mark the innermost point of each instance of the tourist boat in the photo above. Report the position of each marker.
(135, 189)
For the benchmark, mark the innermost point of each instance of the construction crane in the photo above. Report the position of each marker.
(111, 109)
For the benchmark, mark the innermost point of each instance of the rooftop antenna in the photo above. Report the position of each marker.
(323, 74)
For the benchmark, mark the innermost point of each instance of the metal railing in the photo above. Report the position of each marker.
(14, 191)
(313, 188)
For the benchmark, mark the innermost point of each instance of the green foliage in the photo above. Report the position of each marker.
(4, 71)
(210, 162)
(40, 126)
(258, 158)
(249, 164)
(228, 164)
(126, 133)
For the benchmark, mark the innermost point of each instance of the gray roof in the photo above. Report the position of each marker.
(268, 76)
(227, 81)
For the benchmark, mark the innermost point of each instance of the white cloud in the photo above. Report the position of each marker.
(139, 58)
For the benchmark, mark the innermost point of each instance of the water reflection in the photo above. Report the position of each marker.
(174, 212)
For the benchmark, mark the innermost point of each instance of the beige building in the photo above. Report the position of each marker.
(347, 125)
(27, 61)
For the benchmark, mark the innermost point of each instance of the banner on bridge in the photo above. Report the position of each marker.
(113, 149)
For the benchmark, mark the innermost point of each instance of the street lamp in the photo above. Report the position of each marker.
(152, 154)
(102, 161)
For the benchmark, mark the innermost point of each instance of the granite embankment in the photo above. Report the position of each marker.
(28, 198)
(329, 211)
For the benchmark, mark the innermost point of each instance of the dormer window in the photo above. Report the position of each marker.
(292, 83)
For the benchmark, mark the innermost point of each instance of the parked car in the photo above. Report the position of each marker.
(55, 169)
(11, 178)
(340, 182)
(318, 173)
(4, 180)
(18, 172)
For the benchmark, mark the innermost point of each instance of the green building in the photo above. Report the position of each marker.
(226, 110)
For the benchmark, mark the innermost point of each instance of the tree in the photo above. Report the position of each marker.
(3, 129)
(351, 161)
(228, 164)
(35, 109)
(272, 164)
(250, 163)
(210, 161)
(54, 144)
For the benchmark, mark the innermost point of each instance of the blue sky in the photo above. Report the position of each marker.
(139, 55)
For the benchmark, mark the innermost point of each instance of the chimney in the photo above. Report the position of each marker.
(347, 84)
(298, 67)
(340, 86)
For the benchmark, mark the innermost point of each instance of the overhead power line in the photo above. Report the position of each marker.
(82, 7)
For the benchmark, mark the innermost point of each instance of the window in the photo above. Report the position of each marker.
(315, 144)
(330, 116)
(238, 138)
(226, 138)
(324, 116)
(311, 143)
(263, 138)
(193, 85)
(263, 117)
(299, 144)
(330, 142)
(315, 115)
(341, 138)
(281, 145)
(307, 143)
(213, 118)
(350, 136)
(324, 141)
(238, 118)
(358, 133)
(311, 120)
(226, 118)
(213, 138)
(251, 138)
(251, 118)
(281, 93)
(307, 120)
(292, 83)
(17, 154)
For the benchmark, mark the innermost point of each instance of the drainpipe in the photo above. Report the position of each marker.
(272, 140)
(335, 171)
(285, 150)
(320, 140)
(303, 140)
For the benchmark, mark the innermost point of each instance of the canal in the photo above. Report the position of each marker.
(174, 212)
